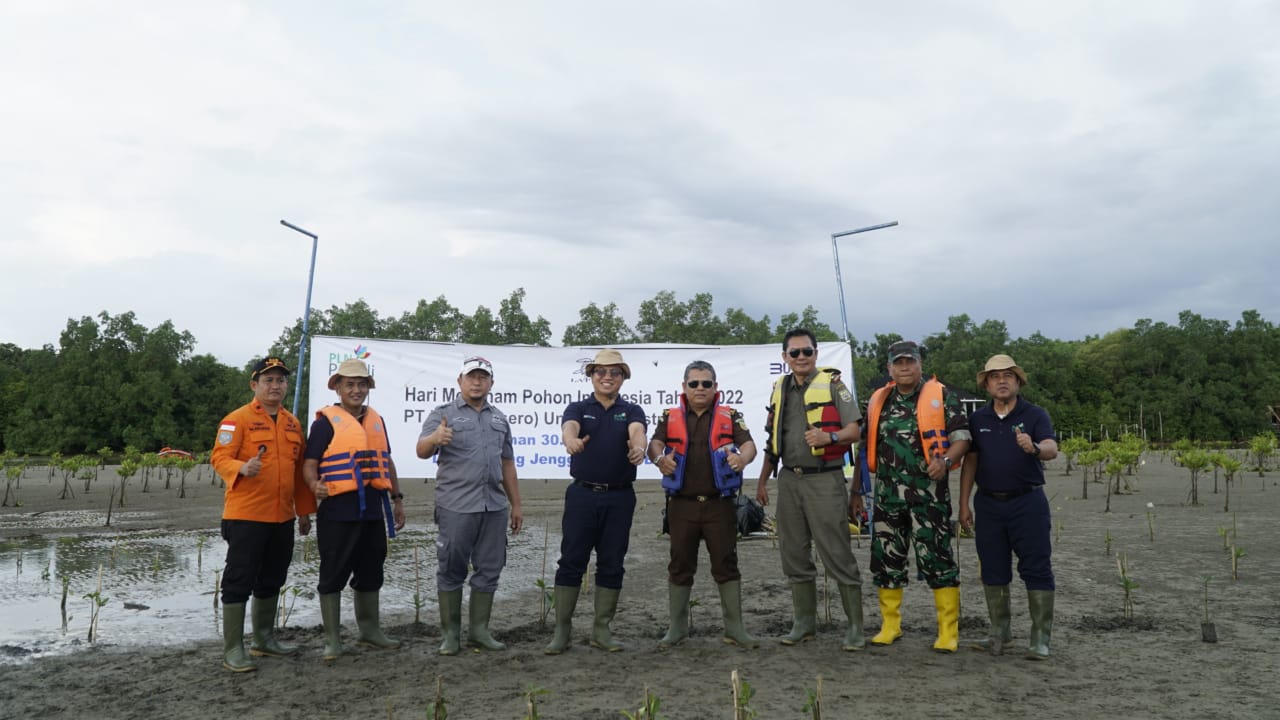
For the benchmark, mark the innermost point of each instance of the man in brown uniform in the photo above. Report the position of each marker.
(702, 473)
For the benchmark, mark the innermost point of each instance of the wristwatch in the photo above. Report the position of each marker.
(397, 496)
(946, 460)
(835, 439)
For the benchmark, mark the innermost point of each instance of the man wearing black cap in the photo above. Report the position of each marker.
(605, 436)
(474, 484)
(349, 467)
(258, 453)
(916, 431)
(1011, 438)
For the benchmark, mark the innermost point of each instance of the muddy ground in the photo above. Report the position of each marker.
(1154, 665)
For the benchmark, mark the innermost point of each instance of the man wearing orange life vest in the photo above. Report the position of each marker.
(916, 431)
(812, 419)
(349, 467)
(258, 452)
(702, 474)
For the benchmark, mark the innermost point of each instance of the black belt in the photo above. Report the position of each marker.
(703, 498)
(802, 471)
(1008, 495)
(600, 487)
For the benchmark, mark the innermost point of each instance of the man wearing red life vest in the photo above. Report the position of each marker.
(258, 452)
(812, 420)
(916, 432)
(701, 447)
(349, 467)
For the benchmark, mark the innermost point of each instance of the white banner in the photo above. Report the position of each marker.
(533, 385)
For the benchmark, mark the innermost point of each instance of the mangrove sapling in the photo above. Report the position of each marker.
(66, 586)
(813, 701)
(1195, 461)
(531, 694)
(12, 480)
(68, 467)
(1208, 632)
(418, 600)
(292, 592)
(185, 466)
(127, 469)
(200, 540)
(1237, 552)
(1151, 522)
(1261, 446)
(1128, 584)
(742, 694)
(437, 709)
(548, 599)
(1223, 532)
(648, 709)
(1114, 468)
(1230, 466)
(96, 601)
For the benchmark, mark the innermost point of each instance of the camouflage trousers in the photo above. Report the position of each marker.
(900, 504)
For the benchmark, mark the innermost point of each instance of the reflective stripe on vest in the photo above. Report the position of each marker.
(356, 458)
(820, 410)
(721, 435)
(931, 420)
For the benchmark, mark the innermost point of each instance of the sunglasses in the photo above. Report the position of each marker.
(607, 372)
(797, 352)
(695, 384)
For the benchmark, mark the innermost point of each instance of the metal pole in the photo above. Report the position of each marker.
(306, 313)
(844, 316)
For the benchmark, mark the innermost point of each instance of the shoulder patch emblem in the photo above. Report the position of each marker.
(377, 427)
(936, 404)
(845, 395)
(224, 438)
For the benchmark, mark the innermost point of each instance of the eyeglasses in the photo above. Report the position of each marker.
(797, 352)
(695, 384)
(607, 372)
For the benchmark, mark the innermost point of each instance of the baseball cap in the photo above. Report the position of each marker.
(265, 364)
(904, 348)
(476, 362)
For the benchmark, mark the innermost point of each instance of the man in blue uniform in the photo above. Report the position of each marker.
(1011, 438)
(605, 436)
(476, 479)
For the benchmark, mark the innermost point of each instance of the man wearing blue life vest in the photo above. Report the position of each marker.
(916, 431)
(812, 420)
(1011, 438)
(349, 468)
(604, 435)
(477, 499)
(701, 447)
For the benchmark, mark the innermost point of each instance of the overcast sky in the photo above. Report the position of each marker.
(1065, 167)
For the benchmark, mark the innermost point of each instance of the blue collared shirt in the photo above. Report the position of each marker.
(604, 458)
(1002, 465)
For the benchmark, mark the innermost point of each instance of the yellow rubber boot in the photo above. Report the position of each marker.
(890, 616)
(947, 600)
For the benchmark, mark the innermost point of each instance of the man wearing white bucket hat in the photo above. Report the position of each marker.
(1011, 438)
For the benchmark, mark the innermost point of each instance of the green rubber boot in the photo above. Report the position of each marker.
(1040, 602)
(450, 621)
(851, 599)
(368, 621)
(804, 604)
(998, 612)
(478, 621)
(331, 614)
(735, 633)
(566, 603)
(606, 608)
(678, 608)
(264, 629)
(234, 658)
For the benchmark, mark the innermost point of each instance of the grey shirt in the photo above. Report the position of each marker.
(795, 451)
(469, 478)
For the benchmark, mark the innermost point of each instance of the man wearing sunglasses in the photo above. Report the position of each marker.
(604, 435)
(702, 474)
(258, 453)
(812, 420)
(916, 431)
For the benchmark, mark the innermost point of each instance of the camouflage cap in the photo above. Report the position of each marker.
(904, 348)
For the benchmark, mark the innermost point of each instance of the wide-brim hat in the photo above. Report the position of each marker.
(1001, 362)
(351, 367)
(609, 356)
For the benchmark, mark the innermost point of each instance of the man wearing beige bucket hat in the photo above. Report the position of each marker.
(1011, 438)
(349, 467)
(604, 435)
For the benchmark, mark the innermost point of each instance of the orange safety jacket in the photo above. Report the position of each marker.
(278, 492)
(931, 419)
(721, 436)
(820, 409)
(355, 458)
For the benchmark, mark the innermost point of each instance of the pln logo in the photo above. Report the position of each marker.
(361, 353)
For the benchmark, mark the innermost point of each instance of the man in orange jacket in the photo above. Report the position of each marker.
(258, 452)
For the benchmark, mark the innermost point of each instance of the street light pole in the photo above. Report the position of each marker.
(844, 316)
(306, 313)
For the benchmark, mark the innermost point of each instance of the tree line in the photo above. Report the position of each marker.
(113, 383)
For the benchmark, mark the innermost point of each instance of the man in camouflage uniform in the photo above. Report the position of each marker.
(916, 431)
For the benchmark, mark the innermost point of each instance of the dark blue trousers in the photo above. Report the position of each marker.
(599, 521)
(1018, 526)
(258, 557)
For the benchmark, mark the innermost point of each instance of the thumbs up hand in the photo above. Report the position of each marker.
(443, 434)
(576, 445)
(1024, 440)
